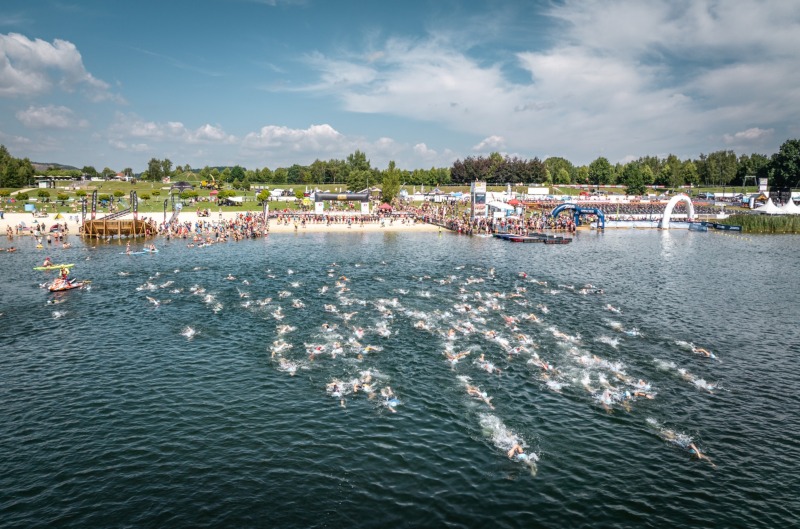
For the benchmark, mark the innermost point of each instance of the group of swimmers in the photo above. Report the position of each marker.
(334, 343)
(484, 335)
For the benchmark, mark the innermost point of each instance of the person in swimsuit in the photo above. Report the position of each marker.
(699, 455)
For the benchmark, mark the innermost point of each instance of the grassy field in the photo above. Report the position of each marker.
(158, 192)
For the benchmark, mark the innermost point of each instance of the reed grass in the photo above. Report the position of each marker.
(778, 224)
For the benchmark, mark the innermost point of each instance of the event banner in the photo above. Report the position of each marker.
(94, 203)
(134, 204)
(478, 199)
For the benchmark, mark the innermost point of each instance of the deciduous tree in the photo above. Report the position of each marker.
(784, 167)
(600, 171)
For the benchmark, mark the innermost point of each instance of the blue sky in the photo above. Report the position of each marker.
(269, 83)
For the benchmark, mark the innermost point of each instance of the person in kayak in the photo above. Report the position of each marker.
(47, 262)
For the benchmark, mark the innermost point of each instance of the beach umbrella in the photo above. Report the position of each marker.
(214, 192)
(385, 207)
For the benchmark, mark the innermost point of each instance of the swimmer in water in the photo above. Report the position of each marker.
(454, 358)
(336, 391)
(704, 352)
(699, 455)
(515, 451)
(476, 392)
(389, 399)
(606, 400)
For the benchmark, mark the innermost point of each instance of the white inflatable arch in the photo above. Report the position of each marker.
(671, 205)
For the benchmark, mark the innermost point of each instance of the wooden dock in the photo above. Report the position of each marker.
(104, 228)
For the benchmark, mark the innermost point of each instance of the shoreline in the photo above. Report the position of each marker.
(14, 219)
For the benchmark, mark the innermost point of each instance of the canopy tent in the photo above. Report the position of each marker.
(769, 209)
(385, 207)
(181, 186)
(514, 202)
(502, 206)
(790, 208)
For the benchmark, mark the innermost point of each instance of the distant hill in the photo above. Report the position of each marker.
(46, 166)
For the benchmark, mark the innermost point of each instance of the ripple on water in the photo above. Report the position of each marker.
(112, 415)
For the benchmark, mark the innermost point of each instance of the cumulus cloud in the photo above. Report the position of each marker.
(319, 138)
(424, 151)
(30, 67)
(130, 126)
(50, 117)
(618, 76)
(282, 146)
(750, 134)
(130, 147)
(492, 142)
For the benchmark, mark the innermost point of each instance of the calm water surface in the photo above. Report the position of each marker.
(114, 414)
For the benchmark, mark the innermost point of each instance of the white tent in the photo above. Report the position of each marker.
(769, 208)
(502, 206)
(790, 208)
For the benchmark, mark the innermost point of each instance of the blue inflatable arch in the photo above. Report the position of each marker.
(578, 211)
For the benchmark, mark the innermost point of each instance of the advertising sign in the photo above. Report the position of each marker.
(478, 196)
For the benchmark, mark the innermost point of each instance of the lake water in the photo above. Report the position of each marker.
(114, 414)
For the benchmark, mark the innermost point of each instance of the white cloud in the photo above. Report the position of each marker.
(492, 142)
(50, 117)
(619, 77)
(316, 138)
(132, 147)
(424, 152)
(130, 126)
(750, 134)
(748, 139)
(30, 67)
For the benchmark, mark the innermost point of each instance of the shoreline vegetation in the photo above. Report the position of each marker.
(766, 224)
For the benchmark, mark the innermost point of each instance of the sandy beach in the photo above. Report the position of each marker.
(73, 223)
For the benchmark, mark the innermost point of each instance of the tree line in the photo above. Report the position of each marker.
(715, 169)
(355, 173)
